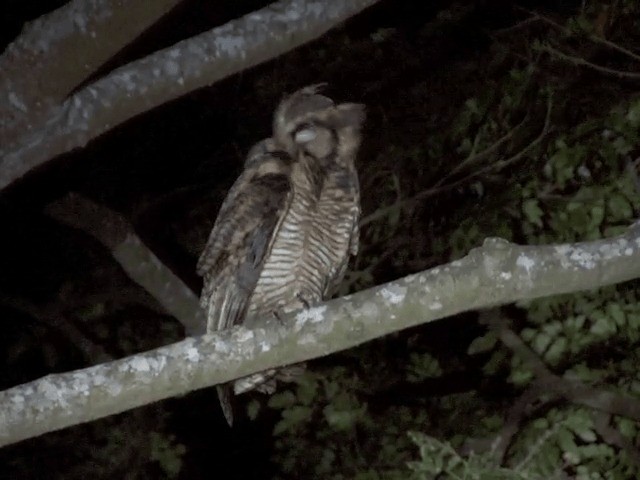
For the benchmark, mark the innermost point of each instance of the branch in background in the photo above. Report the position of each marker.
(590, 36)
(611, 435)
(570, 389)
(549, 387)
(579, 61)
(139, 263)
(531, 400)
(65, 47)
(497, 273)
(52, 316)
(475, 157)
(171, 73)
(439, 188)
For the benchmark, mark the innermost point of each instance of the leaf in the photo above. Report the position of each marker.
(339, 419)
(566, 442)
(482, 344)
(282, 400)
(307, 389)
(541, 342)
(253, 409)
(619, 207)
(603, 326)
(556, 350)
(617, 314)
(521, 377)
(292, 418)
(532, 211)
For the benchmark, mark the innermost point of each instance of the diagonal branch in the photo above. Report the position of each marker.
(496, 273)
(61, 50)
(138, 262)
(188, 65)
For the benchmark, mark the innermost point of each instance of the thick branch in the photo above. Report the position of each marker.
(497, 273)
(138, 262)
(170, 73)
(60, 50)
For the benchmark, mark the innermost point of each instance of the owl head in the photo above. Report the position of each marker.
(295, 110)
(313, 124)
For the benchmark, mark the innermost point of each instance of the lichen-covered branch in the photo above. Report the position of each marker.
(168, 74)
(61, 50)
(496, 273)
(138, 262)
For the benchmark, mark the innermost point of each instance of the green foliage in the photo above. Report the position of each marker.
(167, 453)
(440, 460)
(532, 154)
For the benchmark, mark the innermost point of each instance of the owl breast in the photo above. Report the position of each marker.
(311, 246)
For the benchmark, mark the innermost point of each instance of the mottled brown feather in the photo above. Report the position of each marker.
(239, 242)
(286, 230)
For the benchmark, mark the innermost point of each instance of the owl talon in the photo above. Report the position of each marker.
(303, 300)
(276, 314)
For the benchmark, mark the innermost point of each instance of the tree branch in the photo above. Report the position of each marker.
(138, 262)
(65, 47)
(496, 273)
(191, 64)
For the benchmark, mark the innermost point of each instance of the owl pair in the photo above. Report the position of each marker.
(289, 224)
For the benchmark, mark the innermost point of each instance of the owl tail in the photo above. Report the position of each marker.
(225, 394)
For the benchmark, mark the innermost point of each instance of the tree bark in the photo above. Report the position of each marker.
(496, 273)
(144, 84)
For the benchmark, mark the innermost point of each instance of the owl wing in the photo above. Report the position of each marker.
(348, 182)
(241, 239)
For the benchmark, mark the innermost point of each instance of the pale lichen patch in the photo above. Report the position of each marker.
(49, 390)
(17, 399)
(312, 315)
(114, 389)
(435, 306)
(139, 364)
(171, 68)
(583, 258)
(525, 262)
(307, 339)
(394, 294)
(243, 335)
(192, 354)
(368, 310)
(221, 346)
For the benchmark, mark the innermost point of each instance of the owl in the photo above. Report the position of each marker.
(285, 232)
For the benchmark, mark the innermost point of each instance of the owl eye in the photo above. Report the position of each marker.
(305, 134)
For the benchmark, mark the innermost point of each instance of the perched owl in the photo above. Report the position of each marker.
(287, 227)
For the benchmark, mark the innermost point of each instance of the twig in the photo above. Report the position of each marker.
(611, 435)
(517, 26)
(571, 390)
(52, 316)
(521, 409)
(582, 62)
(383, 212)
(480, 156)
(590, 36)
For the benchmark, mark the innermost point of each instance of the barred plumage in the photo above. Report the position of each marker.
(285, 232)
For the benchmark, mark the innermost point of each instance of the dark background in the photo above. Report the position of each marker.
(412, 63)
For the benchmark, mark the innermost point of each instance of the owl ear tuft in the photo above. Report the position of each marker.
(313, 89)
(350, 115)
